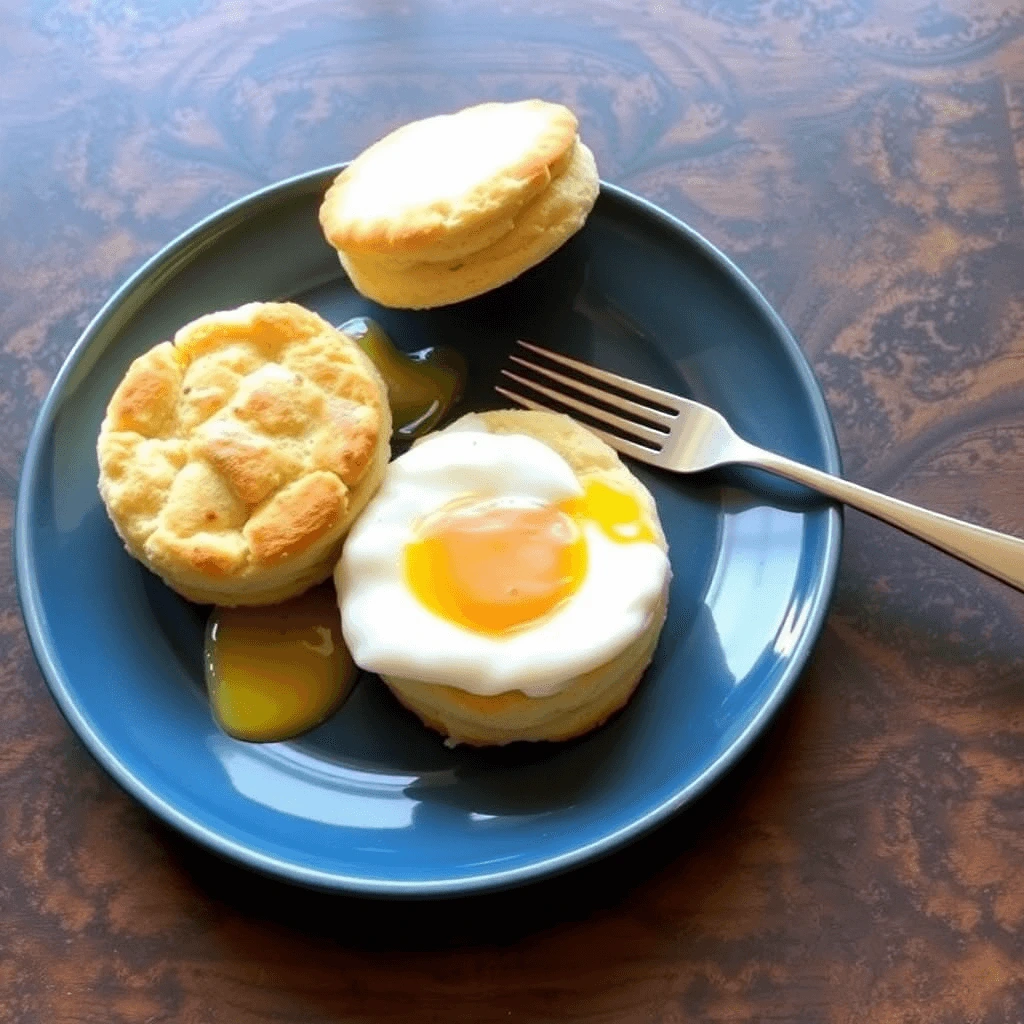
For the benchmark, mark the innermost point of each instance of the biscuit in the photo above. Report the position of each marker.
(442, 183)
(449, 207)
(588, 700)
(233, 459)
(540, 228)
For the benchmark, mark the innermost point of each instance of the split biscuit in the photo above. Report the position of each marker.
(447, 208)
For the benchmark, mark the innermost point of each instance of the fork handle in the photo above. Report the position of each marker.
(997, 554)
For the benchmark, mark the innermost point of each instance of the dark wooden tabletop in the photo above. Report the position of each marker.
(862, 161)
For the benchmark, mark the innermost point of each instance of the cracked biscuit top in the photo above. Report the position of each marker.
(233, 453)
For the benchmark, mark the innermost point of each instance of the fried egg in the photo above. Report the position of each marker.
(485, 564)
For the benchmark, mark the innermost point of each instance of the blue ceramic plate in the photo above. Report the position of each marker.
(371, 801)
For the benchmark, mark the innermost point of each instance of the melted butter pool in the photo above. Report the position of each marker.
(277, 671)
(422, 386)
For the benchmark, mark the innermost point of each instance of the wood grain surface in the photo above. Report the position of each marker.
(862, 160)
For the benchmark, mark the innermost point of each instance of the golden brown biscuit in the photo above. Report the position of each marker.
(449, 207)
(539, 228)
(233, 459)
(588, 700)
(444, 182)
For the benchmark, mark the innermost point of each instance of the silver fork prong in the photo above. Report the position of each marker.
(631, 387)
(625, 404)
(522, 400)
(620, 444)
(631, 428)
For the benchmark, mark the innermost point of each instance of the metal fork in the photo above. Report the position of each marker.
(681, 435)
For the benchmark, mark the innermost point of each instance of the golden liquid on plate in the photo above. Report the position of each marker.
(422, 386)
(277, 671)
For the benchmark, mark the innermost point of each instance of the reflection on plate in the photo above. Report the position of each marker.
(370, 801)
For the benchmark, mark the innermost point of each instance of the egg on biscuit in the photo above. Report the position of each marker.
(508, 581)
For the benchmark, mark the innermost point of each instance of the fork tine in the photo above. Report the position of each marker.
(626, 404)
(529, 403)
(631, 387)
(631, 428)
(620, 444)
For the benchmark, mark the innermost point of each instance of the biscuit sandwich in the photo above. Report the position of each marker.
(509, 581)
(449, 207)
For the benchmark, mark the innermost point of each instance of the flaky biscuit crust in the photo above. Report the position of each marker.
(233, 459)
(448, 184)
(536, 231)
(586, 701)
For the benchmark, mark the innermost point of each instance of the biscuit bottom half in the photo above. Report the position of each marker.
(587, 702)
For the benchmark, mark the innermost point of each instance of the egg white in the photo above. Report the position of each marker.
(390, 632)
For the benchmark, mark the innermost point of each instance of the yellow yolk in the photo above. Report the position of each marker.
(617, 513)
(492, 565)
(276, 671)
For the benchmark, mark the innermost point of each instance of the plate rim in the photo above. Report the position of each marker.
(30, 598)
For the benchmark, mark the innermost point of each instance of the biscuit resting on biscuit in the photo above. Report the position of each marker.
(233, 459)
(583, 702)
(450, 207)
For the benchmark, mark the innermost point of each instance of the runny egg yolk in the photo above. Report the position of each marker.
(495, 564)
(616, 512)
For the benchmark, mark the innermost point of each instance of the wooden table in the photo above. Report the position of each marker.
(863, 163)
